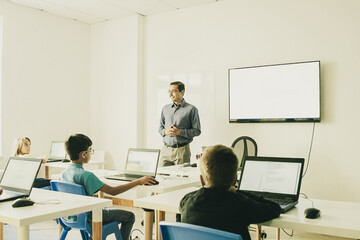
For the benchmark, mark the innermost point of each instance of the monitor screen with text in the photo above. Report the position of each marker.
(272, 177)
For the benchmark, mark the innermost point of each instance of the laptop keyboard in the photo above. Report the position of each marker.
(9, 194)
(54, 160)
(281, 201)
(131, 175)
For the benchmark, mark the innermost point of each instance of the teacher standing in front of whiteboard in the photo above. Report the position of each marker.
(179, 124)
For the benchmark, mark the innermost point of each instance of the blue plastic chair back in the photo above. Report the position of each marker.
(77, 221)
(80, 221)
(67, 187)
(180, 231)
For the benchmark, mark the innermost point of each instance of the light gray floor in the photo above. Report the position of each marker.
(49, 230)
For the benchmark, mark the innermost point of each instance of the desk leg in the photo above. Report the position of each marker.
(60, 229)
(277, 233)
(148, 223)
(97, 224)
(159, 216)
(1, 231)
(47, 172)
(101, 194)
(258, 232)
(23, 233)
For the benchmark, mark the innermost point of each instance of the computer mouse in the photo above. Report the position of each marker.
(312, 213)
(155, 183)
(194, 165)
(65, 160)
(22, 202)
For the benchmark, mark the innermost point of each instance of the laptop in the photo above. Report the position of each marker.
(18, 177)
(57, 152)
(140, 162)
(276, 179)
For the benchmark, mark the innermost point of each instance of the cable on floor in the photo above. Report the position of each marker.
(136, 237)
(289, 234)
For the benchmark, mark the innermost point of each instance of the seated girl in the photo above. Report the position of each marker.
(22, 149)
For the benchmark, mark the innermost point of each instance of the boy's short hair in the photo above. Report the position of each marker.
(76, 144)
(219, 167)
(179, 84)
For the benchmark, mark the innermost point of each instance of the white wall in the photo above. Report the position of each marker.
(46, 66)
(116, 100)
(45, 86)
(198, 45)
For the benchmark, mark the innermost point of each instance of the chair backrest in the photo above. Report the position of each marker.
(244, 146)
(67, 187)
(76, 221)
(180, 231)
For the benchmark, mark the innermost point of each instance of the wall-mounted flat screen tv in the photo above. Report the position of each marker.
(275, 93)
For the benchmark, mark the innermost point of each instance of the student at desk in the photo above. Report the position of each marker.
(217, 204)
(22, 147)
(79, 149)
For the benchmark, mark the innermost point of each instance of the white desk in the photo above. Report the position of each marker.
(166, 184)
(66, 164)
(167, 202)
(179, 171)
(70, 204)
(337, 218)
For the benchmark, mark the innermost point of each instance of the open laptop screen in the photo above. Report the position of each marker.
(142, 161)
(20, 173)
(281, 177)
(57, 150)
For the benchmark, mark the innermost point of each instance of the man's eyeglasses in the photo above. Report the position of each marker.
(173, 91)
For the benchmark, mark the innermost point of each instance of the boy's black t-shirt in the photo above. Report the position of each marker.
(227, 211)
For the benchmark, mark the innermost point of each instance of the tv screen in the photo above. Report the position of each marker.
(275, 93)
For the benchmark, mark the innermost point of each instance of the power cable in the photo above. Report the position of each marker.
(311, 143)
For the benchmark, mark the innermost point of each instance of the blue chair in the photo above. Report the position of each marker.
(180, 231)
(79, 221)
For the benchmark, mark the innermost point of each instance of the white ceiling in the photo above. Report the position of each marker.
(94, 11)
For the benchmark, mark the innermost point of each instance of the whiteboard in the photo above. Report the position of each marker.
(275, 93)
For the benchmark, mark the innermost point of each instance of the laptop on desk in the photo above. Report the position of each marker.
(275, 179)
(18, 177)
(57, 152)
(140, 162)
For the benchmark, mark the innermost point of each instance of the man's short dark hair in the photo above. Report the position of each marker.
(180, 85)
(76, 144)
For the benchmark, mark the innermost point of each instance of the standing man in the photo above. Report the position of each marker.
(179, 124)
